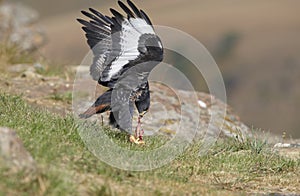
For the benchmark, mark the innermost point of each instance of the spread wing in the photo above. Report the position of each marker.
(119, 42)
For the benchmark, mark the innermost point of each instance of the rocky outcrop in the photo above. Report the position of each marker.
(200, 113)
(13, 155)
(18, 26)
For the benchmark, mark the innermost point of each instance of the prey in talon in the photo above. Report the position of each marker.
(125, 49)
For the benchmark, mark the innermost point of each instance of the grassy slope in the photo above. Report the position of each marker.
(67, 167)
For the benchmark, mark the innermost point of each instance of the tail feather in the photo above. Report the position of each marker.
(102, 104)
(95, 110)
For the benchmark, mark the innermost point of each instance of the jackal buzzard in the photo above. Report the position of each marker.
(126, 49)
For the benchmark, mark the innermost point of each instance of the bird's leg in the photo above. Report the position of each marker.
(139, 130)
(138, 135)
(102, 120)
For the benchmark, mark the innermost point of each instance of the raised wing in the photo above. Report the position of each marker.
(119, 42)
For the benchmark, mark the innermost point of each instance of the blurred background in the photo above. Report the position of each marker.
(254, 42)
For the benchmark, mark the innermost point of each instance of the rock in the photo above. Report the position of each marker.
(17, 26)
(207, 114)
(289, 149)
(17, 68)
(286, 145)
(31, 74)
(13, 155)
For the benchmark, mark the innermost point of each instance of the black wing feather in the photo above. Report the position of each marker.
(119, 17)
(145, 17)
(107, 19)
(94, 22)
(95, 19)
(126, 9)
(93, 33)
(115, 27)
(135, 9)
(96, 33)
(91, 26)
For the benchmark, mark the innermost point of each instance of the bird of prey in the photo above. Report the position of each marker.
(126, 49)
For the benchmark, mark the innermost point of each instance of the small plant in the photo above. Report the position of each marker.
(226, 45)
(257, 145)
(64, 97)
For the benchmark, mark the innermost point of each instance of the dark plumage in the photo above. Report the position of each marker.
(125, 50)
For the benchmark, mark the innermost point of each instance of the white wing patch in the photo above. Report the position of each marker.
(130, 35)
(141, 26)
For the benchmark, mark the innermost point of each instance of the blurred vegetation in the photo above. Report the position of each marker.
(11, 54)
(225, 46)
(66, 167)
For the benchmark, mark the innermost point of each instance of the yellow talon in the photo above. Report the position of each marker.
(132, 139)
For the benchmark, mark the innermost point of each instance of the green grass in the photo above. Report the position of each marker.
(66, 167)
(64, 97)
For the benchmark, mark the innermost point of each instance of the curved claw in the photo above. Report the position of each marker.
(138, 141)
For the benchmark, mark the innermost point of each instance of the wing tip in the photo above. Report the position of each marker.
(134, 8)
(93, 10)
(129, 2)
(126, 9)
(83, 12)
(81, 21)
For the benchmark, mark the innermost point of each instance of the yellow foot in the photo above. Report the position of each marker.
(138, 141)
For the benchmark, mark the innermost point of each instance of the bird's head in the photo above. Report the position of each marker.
(155, 48)
(151, 46)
